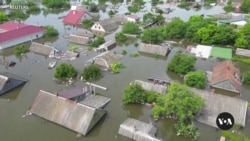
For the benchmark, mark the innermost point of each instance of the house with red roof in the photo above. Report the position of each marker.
(226, 76)
(74, 17)
(14, 33)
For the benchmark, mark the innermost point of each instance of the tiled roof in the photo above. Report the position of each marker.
(16, 30)
(226, 71)
(73, 17)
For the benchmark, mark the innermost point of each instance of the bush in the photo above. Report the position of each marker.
(65, 71)
(241, 59)
(131, 28)
(120, 37)
(92, 72)
(124, 52)
(116, 67)
(196, 79)
(246, 77)
(228, 8)
(182, 63)
(3, 17)
(33, 8)
(56, 4)
(87, 23)
(50, 31)
(135, 54)
(111, 13)
(19, 50)
(18, 14)
(97, 42)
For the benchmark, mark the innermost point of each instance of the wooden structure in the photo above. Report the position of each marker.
(216, 104)
(137, 130)
(41, 49)
(159, 81)
(105, 59)
(243, 52)
(74, 116)
(226, 76)
(9, 82)
(152, 87)
(106, 46)
(81, 40)
(161, 50)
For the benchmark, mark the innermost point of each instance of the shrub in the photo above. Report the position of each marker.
(87, 23)
(92, 72)
(65, 71)
(97, 42)
(196, 79)
(50, 31)
(124, 52)
(19, 50)
(246, 77)
(116, 67)
(120, 37)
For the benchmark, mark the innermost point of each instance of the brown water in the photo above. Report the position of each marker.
(14, 104)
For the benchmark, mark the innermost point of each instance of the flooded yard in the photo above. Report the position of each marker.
(15, 104)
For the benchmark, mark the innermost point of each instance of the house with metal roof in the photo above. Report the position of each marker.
(138, 130)
(13, 33)
(104, 27)
(41, 49)
(67, 113)
(81, 40)
(161, 50)
(226, 76)
(9, 82)
(74, 17)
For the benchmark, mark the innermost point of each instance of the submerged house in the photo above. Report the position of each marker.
(13, 33)
(152, 87)
(67, 113)
(161, 50)
(75, 94)
(138, 130)
(81, 40)
(42, 49)
(103, 27)
(226, 76)
(9, 82)
(74, 17)
(106, 46)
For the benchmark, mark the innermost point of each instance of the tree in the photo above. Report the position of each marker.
(18, 14)
(246, 77)
(21, 49)
(196, 79)
(148, 18)
(120, 37)
(176, 29)
(182, 63)
(56, 4)
(97, 42)
(87, 23)
(243, 38)
(50, 31)
(131, 28)
(65, 71)
(155, 2)
(3, 18)
(245, 6)
(116, 67)
(92, 72)
(134, 94)
(152, 35)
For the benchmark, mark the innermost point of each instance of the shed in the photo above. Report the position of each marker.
(154, 49)
(9, 82)
(74, 116)
(106, 46)
(75, 94)
(243, 52)
(81, 40)
(202, 51)
(227, 77)
(152, 87)
(96, 101)
(216, 104)
(138, 130)
(41, 49)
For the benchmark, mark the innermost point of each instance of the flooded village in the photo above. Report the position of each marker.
(124, 70)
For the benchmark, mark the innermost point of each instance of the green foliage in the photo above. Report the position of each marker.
(136, 44)
(87, 23)
(241, 59)
(124, 52)
(133, 9)
(56, 4)
(65, 71)
(136, 94)
(101, 2)
(120, 37)
(246, 77)
(155, 2)
(73, 47)
(234, 135)
(148, 18)
(152, 35)
(184, 4)
(116, 1)
(116, 67)
(50, 31)
(18, 14)
(188, 130)
(92, 72)
(93, 7)
(137, 5)
(245, 6)
(19, 50)
(243, 37)
(196, 79)
(176, 29)
(111, 13)
(228, 8)
(3, 17)
(33, 8)
(182, 63)
(135, 54)
(97, 42)
(131, 28)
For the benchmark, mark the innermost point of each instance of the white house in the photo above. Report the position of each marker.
(104, 26)
(13, 33)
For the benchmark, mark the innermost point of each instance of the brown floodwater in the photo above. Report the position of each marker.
(13, 127)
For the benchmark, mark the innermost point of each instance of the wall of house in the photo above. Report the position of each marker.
(131, 19)
(97, 27)
(20, 40)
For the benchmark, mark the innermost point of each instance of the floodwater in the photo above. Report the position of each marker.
(13, 127)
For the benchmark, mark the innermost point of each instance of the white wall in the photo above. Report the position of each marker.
(131, 19)
(20, 40)
(97, 27)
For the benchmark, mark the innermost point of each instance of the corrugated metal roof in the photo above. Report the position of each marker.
(73, 92)
(82, 40)
(108, 25)
(75, 116)
(73, 17)
(41, 49)
(152, 87)
(137, 130)
(154, 49)
(95, 101)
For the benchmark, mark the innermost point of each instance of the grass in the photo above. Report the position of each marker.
(241, 59)
(19, 50)
(220, 52)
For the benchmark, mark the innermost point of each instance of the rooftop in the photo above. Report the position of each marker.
(154, 49)
(73, 17)
(152, 87)
(220, 52)
(73, 92)
(41, 49)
